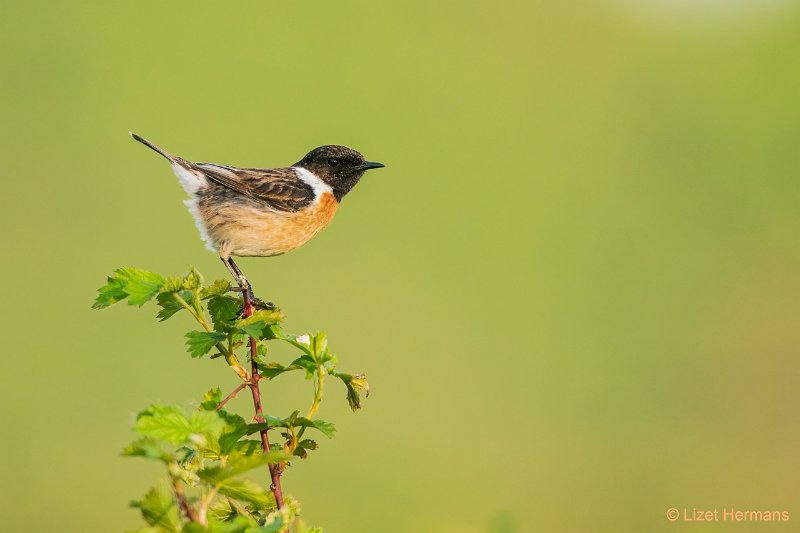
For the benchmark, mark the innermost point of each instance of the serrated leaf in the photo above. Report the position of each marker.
(169, 305)
(308, 444)
(159, 509)
(221, 510)
(255, 330)
(300, 341)
(238, 465)
(109, 294)
(355, 384)
(211, 399)
(140, 285)
(278, 521)
(192, 280)
(246, 447)
(236, 523)
(235, 429)
(272, 370)
(170, 424)
(256, 324)
(172, 284)
(327, 428)
(277, 525)
(300, 452)
(248, 491)
(148, 448)
(218, 287)
(307, 362)
(224, 310)
(273, 332)
(201, 342)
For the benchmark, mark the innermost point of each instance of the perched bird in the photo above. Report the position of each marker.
(265, 211)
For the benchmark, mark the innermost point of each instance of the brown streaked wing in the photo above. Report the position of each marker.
(279, 188)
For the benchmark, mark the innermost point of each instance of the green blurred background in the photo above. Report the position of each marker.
(574, 287)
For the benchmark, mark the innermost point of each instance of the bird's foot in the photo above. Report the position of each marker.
(249, 295)
(261, 304)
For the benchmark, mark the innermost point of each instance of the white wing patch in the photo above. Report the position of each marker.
(317, 185)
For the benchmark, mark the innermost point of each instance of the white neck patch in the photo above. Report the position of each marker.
(317, 185)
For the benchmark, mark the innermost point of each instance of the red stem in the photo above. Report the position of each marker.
(255, 377)
(230, 396)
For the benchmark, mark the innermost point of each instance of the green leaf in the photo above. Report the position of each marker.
(320, 343)
(256, 329)
(355, 384)
(300, 341)
(229, 516)
(327, 428)
(135, 284)
(246, 447)
(238, 465)
(201, 342)
(272, 370)
(169, 304)
(141, 285)
(218, 287)
(192, 280)
(307, 362)
(308, 444)
(211, 399)
(224, 310)
(235, 429)
(159, 509)
(111, 293)
(277, 525)
(170, 424)
(300, 452)
(248, 491)
(273, 332)
(255, 325)
(148, 448)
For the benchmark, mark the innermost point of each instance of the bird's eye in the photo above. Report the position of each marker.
(332, 161)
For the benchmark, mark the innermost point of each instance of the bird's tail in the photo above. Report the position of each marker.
(171, 158)
(191, 178)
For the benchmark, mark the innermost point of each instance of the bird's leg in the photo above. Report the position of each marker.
(244, 286)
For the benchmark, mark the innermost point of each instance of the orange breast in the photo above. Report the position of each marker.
(243, 230)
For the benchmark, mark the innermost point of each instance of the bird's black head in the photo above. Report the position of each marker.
(338, 166)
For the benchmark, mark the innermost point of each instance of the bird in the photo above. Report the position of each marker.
(264, 212)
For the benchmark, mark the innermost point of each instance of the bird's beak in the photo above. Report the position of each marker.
(366, 165)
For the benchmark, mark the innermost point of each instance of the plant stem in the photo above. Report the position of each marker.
(230, 396)
(184, 504)
(317, 392)
(205, 503)
(274, 469)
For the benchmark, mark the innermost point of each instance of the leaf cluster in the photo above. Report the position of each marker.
(206, 453)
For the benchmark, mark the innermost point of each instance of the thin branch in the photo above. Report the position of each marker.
(184, 504)
(230, 396)
(275, 470)
(318, 386)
